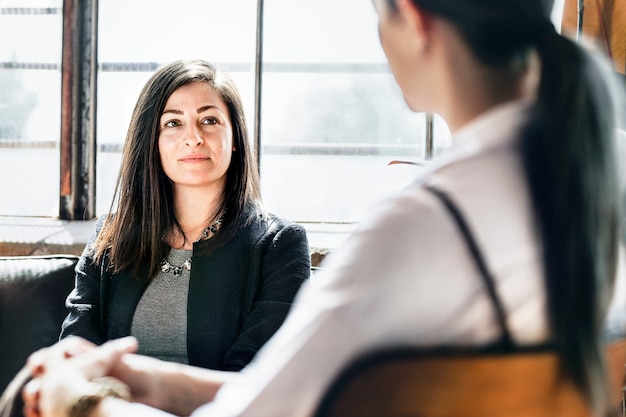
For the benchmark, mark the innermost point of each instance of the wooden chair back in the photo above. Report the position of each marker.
(604, 22)
(412, 384)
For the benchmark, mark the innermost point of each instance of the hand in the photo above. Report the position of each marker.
(36, 366)
(66, 348)
(62, 373)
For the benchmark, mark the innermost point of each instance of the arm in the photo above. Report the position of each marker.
(172, 387)
(83, 303)
(61, 378)
(364, 299)
(283, 263)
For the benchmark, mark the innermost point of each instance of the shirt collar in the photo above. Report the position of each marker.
(496, 127)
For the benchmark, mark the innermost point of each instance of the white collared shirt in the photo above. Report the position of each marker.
(405, 278)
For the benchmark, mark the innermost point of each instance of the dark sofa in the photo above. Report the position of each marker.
(32, 306)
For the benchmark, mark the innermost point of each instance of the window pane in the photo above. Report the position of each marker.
(30, 102)
(153, 32)
(333, 117)
(327, 140)
(163, 30)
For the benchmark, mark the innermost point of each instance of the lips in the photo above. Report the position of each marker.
(194, 158)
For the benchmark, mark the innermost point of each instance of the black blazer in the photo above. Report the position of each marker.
(239, 294)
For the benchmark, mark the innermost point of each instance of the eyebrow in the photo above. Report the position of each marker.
(200, 110)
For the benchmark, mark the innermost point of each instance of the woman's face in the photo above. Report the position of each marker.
(196, 137)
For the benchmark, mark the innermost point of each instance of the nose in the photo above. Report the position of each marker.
(193, 136)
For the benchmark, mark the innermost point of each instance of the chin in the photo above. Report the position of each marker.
(411, 102)
(416, 105)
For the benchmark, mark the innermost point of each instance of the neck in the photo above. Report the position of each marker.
(195, 210)
(464, 87)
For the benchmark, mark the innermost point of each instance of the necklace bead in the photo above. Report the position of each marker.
(177, 271)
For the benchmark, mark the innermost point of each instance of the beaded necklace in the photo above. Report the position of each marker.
(177, 270)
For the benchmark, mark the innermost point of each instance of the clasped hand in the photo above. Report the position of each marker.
(61, 373)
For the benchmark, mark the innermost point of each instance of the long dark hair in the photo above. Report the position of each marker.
(570, 164)
(132, 238)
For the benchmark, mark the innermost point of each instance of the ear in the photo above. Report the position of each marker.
(419, 22)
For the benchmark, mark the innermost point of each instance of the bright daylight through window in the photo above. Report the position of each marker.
(331, 117)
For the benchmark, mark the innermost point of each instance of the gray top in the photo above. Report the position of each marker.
(160, 320)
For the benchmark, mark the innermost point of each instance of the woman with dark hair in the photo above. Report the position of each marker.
(510, 240)
(188, 261)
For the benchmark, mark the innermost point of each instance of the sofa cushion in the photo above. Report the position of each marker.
(32, 306)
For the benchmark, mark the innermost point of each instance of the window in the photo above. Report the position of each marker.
(331, 115)
(131, 45)
(30, 111)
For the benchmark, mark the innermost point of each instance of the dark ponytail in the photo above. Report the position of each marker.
(570, 159)
(569, 154)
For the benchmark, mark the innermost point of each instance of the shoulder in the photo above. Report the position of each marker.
(271, 226)
(268, 233)
(409, 227)
(414, 209)
(407, 243)
(88, 250)
(259, 221)
(280, 223)
(100, 221)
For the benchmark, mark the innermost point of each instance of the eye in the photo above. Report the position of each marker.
(210, 121)
(171, 123)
